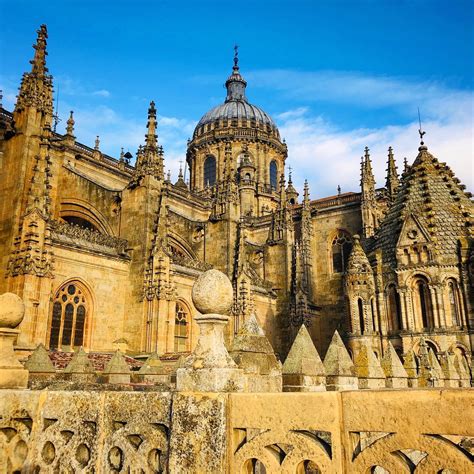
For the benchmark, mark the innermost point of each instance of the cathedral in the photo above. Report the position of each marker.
(104, 251)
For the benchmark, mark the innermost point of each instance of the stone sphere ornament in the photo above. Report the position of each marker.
(12, 310)
(213, 293)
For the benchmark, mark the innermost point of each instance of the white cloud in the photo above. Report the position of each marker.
(329, 157)
(102, 93)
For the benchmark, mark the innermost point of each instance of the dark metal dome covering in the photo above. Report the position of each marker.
(236, 109)
(236, 105)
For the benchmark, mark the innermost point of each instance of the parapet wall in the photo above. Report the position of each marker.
(429, 430)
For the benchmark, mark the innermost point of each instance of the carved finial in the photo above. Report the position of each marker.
(1, 99)
(338, 190)
(70, 124)
(169, 176)
(290, 181)
(405, 165)
(180, 174)
(122, 155)
(97, 143)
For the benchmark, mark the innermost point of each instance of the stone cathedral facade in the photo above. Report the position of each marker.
(104, 253)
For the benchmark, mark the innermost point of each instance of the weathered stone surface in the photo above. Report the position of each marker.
(199, 438)
(253, 353)
(303, 370)
(396, 375)
(117, 369)
(12, 373)
(39, 362)
(340, 371)
(12, 310)
(212, 293)
(450, 374)
(368, 368)
(411, 368)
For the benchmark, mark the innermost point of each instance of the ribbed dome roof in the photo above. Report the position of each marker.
(236, 105)
(236, 109)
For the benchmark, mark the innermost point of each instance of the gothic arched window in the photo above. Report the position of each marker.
(273, 175)
(454, 303)
(341, 249)
(69, 317)
(394, 312)
(181, 328)
(209, 171)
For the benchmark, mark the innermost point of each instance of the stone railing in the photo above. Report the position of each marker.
(394, 431)
(227, 413)
(77, 236)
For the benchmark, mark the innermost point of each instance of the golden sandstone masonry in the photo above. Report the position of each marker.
(151, 326)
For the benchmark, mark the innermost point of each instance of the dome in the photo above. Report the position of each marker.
(236, 107)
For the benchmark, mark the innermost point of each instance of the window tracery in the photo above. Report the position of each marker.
(181, 328)
(340, 249)
(69, 317)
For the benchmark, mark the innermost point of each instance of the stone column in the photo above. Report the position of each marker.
(434, 306)
(210, 368)
(441, 309)
(404, 309)
(12, 311)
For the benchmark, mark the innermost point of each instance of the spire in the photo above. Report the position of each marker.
(368, 201)
(306, 195)
(368, 163)
(36, 88)
(150, 156)
(236, 84)
(392, 181)
(70, 124)
(39, 60)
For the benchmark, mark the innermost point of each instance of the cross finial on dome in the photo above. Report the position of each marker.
(236, 57)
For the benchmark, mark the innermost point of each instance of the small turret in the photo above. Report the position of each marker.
(360, 290)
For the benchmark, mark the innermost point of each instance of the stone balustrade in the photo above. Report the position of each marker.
(224, 411)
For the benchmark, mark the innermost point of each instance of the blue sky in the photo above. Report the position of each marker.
(334, 75)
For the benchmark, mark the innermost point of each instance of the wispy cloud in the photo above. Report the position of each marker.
(101, 93)
(361, 90)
